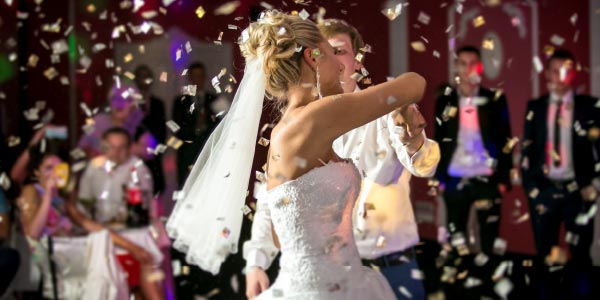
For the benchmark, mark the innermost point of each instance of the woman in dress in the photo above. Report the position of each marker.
(310, 191)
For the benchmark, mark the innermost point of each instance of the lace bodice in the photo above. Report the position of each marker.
(312, 217)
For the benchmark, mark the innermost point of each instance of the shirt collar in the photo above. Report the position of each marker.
(566, 98)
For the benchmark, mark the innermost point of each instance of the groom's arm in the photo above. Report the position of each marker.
(260, 250)
(423, 162)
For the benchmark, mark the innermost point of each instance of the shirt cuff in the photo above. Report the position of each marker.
(257, 258)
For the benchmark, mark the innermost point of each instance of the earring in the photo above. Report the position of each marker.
(318, 83)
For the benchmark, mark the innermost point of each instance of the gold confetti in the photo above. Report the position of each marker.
(510, 144)
(128, 57)
(200, 12)
(263, 142)
(593, 133)
(227, 8)
(185, 270)
(478, 21)
(174, 142)
(418, 46)
(393, 12)
(50, 73)
(13, 141)
(33, 60)
(380, 242)
(488, 44)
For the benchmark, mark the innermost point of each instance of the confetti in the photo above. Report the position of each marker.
(304, 14)
(488, 44)
(178, 54)
(472, 282)
(404, 291)
(557, 40)
(246, 210)
(50, 73)
(418, 46)
(188, 47)
(481, 259)
(503, 288)
(173, 126)
(478, 21)
(174, 143)
(424, 18)
(263, 142)
(510, 144)
(499, 246)
(227, 8)
(189, 90)
(393, 12)
(537, 63)
(380, 243)
(200, 12)
(573, 19)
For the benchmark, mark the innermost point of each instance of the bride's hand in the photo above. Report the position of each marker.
(256, 282)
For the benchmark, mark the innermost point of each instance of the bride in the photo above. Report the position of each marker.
(310, 191)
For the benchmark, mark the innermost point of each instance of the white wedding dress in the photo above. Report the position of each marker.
(312, 216)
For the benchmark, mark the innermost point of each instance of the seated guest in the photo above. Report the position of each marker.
(102, 187)
(78, 268)
(125, 113)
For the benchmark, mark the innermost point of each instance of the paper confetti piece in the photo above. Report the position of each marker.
(424, 18)
(50, 73)
(174, 142)
(200, 12)
(304, 14)
(557, 40)
(537, 63)
(478, 21)
(33, 60)
(227, 8)
(418, 46)
(393, 12)
(573, 19)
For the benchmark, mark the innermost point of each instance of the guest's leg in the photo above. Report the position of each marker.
(579, 271)
(546, 217)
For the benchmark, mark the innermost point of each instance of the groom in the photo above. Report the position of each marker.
(387, 151)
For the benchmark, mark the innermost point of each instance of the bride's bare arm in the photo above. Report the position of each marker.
(335, 115)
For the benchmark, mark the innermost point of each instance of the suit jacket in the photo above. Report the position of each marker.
(494, 124)
(195, 128)
(585, 149)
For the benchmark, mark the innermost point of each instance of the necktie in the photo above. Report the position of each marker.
(557, 126)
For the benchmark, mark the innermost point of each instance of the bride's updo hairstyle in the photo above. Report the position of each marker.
(280, 39)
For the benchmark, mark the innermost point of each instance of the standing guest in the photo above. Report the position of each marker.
(473, 127)
(102, 187)
(195, 115)
(154, 121)
(560, 161)
(388, 155)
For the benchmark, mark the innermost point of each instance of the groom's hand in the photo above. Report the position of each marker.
(256, 282)
(412, 123)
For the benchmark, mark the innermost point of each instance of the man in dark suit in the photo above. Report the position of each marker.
(195, 115)
(560, 160)
(472, 130)
(153, 122)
